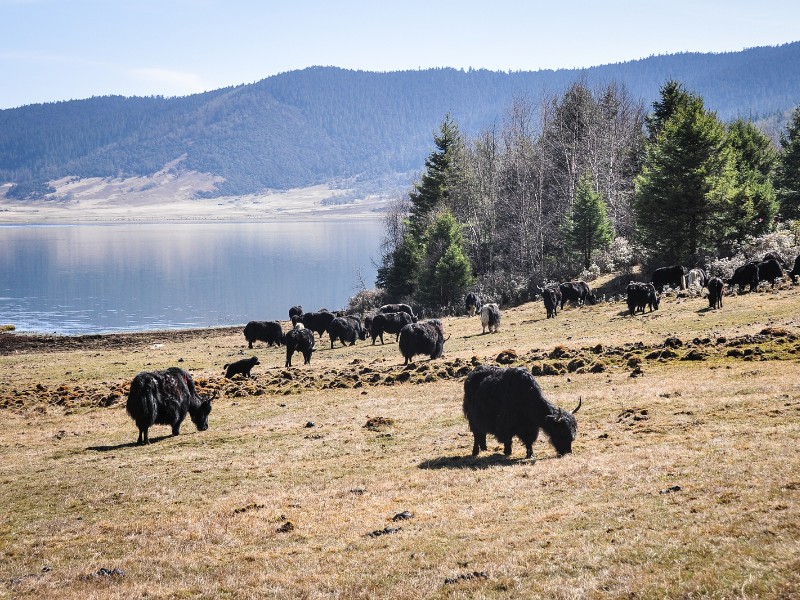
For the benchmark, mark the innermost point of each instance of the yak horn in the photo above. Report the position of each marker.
(580, 398)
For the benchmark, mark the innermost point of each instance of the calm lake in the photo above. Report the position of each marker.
(75, 279)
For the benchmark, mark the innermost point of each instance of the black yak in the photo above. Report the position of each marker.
(295, 311)
(368, 322)
(747, 274)
(795, 272)
(490, 317)
(715, 285)
(508, 402)
(301, 340)
(775, 256)
(164, 398)
(422, 338)
(317, 321)
(674, 277)
(577, 292)
(641, 294)
(472, 303)
(770, 270)
(552, 298)
(388, 323)
(241, 367)
(393, 308)
(269, 332)
(346, 330)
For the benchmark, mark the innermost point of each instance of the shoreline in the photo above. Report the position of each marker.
(104, 207)
(13, 342)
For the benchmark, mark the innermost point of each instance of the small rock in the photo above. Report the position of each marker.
(669, 490)
(402, 516)
(673, 342)
(286, 527)
(466, 577)
(311, 424)
(384, 531)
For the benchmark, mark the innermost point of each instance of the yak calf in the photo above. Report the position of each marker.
(241, 367)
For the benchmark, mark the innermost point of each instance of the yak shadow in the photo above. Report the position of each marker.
(705, 310)
(153, 440)
(486, 461)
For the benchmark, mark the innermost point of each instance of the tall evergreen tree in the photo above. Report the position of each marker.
(673, 97)
(433, 188)
(445, 272)
(686, 187)
(787, 177)
(588, 227)
(402, 268)
(755, 205)
(399, 273)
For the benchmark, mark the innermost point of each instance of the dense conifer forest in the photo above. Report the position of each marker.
(322, 123)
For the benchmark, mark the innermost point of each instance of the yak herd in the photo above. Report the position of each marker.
(504, 402)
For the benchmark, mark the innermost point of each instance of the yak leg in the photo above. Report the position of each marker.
(480, 443)
(507, 447)
(528, 449)
(142, 437)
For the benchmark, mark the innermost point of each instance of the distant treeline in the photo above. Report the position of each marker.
(321, 124)
(593, 183)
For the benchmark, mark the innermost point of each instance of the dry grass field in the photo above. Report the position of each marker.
(352, 477)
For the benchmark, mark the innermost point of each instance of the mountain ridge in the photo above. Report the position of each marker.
(323, 124)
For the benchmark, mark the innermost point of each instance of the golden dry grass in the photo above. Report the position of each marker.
(684, 482)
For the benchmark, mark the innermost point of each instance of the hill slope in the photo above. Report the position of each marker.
(321, 124)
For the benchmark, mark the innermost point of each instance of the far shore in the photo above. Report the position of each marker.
(105, 207)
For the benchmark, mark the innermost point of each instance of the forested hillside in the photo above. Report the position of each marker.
(323, 123)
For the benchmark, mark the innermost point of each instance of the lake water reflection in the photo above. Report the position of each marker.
(99, 278)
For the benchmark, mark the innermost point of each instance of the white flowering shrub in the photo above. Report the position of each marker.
(618, 257)
(782, 242)
(366, 300)
(590, 274)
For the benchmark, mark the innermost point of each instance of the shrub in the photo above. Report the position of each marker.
(366, 300)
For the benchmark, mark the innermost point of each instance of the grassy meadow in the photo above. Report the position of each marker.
(352, 477)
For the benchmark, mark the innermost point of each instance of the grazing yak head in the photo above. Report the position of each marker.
(199, 413)
(562, 428)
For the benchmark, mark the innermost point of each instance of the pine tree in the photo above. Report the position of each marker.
(400, 271)
(445, 272)
(673, 97)
(685, 191)
(755, 205)
(432, 189)
(589, 228)
(787, 177)
(403, 268)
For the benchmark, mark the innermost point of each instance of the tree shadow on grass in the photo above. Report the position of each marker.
(486, 461)
(153, 440)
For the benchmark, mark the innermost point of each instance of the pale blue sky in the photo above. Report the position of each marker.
(64, 49)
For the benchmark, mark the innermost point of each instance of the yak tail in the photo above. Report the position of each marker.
(574, 410)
